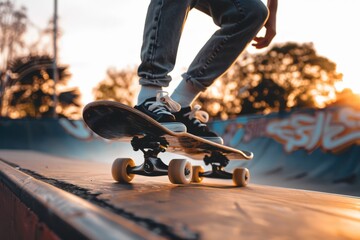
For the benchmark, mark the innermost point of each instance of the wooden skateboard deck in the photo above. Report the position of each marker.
(116, 121)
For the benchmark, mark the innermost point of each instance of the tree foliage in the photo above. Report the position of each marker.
(118, 85)
(287, 76)
(30, 90)
(13, 26)
(26, 70)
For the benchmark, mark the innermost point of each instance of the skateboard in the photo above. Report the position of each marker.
(115, 121)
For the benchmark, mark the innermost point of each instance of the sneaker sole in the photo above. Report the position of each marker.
(218, 140)
(179, 127)
(174, 126)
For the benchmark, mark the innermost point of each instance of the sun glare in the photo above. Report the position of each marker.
(350, 81)
(351, 77)
(354, 86)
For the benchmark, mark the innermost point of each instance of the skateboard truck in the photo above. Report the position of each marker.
(151, 147)
(216, 157)
(155, 144)
(218, 162)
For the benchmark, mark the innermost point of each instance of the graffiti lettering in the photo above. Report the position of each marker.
(254, 129)
(344, 132)
(330, 130)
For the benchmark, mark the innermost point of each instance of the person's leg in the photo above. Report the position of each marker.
(239, 22)
(162, 31)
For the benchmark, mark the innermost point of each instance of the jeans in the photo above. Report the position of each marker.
(239, 22)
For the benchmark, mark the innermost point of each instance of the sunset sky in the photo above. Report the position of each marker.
(108, 33)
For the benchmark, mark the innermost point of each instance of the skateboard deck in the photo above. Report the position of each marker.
(116, 121)
(119, 122)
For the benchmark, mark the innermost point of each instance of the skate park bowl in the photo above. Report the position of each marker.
(306, 149)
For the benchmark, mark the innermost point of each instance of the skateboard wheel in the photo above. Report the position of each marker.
(180, 171)
(241, 177)
(120, 168)
(197, 170)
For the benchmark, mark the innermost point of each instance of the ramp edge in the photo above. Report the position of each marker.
(68, 216)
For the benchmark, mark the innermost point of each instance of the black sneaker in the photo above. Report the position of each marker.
(159, 108)
(194, 121)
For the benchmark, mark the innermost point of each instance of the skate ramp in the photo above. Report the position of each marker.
(308, 149)
(59, 137)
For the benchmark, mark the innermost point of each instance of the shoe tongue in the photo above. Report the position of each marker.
(195, 114)
(165, 99)
(161, 93)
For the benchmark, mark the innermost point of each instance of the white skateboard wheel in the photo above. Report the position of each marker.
(119, 170)
(197, 170)
(180, 171)
(241, 177)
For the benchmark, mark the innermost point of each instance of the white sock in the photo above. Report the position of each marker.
(147, 92)
(185, 94)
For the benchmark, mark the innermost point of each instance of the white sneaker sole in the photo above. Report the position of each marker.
(179, 127)
(218, 140)
(174, 126)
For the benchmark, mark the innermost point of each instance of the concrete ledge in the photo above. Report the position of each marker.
(68, 216)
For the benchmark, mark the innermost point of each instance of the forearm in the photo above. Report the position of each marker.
(272, 6)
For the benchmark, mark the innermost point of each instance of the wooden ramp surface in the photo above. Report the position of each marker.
(213, 209)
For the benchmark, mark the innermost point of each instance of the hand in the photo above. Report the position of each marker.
(262, 42)
(270, 25)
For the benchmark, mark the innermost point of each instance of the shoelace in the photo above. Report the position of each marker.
(163, 104)
(200, 117)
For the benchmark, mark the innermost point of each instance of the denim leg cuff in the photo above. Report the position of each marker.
(195, 83)
(164, 82)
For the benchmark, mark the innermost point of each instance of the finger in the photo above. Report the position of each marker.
(257, 38)
(261, 43)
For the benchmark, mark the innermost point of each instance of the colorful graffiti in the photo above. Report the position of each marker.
(331, 130)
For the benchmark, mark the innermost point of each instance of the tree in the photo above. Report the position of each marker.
(287, 76)
(265, 96)
(119, 85)
(26, 87)
(30, 91)
(13, 26)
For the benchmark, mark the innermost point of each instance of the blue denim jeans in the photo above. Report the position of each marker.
(239, 22)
